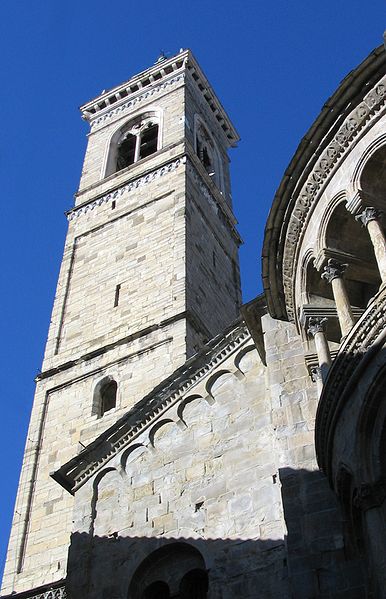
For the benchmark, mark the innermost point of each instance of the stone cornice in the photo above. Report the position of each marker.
(164, 73)
(123, 108)
(151, 408)
(365, 339)
(321, 151)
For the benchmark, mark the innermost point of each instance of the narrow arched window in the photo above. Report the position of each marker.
(208, 153)
(108, 397)
(137, 140)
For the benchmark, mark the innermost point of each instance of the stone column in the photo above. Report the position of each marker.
(316, 328)
(370, 218)
(333, 273)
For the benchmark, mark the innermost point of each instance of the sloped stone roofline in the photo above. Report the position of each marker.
(357, 100)
(152, 78)
(78, 470)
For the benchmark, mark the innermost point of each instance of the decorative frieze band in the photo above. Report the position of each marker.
(338, 146)
(128, 187)
(59, 593)
(126, 106)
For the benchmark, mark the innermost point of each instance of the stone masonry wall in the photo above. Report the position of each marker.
(207, 478)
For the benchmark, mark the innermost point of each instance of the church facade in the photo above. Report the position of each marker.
(182, 444)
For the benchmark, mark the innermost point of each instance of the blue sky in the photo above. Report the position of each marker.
(273, 65)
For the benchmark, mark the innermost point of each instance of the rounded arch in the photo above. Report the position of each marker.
(356, 179)
(185, 402)
(170, 564)
(137, 146)
(157, 427)
(339, 200)
(348, 242)
(211, 382)
(244, 358)
(131, 452)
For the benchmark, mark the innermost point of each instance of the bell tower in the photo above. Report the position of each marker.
(149, 273)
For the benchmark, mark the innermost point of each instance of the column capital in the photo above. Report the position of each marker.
(333, 270)
(368, 215)
(316, 325)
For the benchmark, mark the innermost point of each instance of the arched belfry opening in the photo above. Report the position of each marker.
(348, 242)
(346, 252)
(176, 571)
(137, 139)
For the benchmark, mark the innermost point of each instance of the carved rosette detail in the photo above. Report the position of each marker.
(333, 270)
(368, 215)
(316, 325)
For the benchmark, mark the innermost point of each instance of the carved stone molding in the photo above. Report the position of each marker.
(333, 270)
(306, 198)
(343, 374)
(370, 495)
(128, 106)
(126, 188)
(368, 215)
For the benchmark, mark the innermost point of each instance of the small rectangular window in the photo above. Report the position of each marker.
(116, 298)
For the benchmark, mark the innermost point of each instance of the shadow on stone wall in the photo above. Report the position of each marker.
(309, 562)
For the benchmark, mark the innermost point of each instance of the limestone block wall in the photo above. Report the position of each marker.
(137, 243)
(318, 560)
(63, 420)
(205, 476)
(212, 267)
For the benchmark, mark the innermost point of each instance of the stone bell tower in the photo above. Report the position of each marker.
(149, 273)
